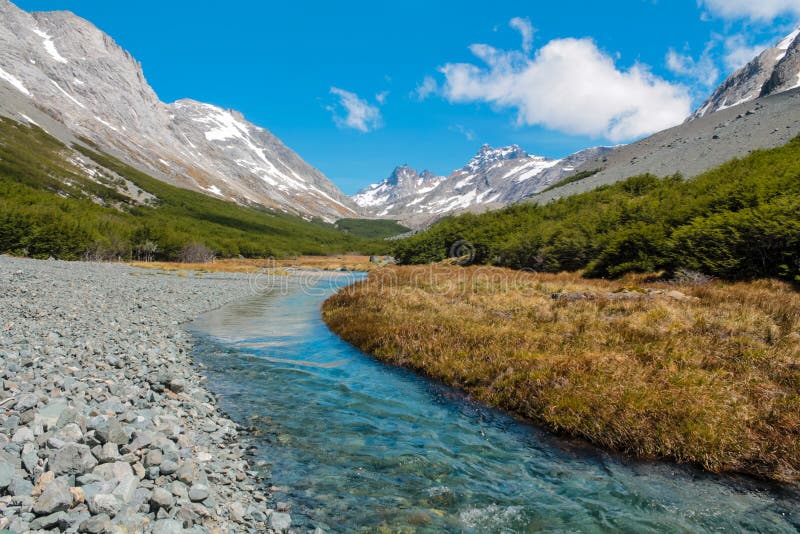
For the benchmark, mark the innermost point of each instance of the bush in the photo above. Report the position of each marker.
(197, 253)
(739, 221)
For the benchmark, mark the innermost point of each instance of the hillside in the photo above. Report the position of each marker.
(696, 146)
(56, 67)
(738, 221)
(78, 202)
(371, 228)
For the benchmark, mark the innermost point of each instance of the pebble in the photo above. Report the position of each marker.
(105, 423)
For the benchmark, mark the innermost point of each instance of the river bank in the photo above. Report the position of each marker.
(105, 422)
(708, 374)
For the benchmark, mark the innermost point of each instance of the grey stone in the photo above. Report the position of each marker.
(198, 492)
(70, 432)
(113, 470)
(99, 524)
(23, 435)
(280, 521)
(168, 526)
(168, 467)
(154, 458)
(48, 521)
(162, 498)
(6, 474)
(112, 432)
(20, 487)
(55, 498)
(51, 413)
(109, 452)
(73, 459)
(126, 489)
(104, 503)
(26, 402)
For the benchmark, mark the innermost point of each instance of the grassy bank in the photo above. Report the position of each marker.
(712, 378)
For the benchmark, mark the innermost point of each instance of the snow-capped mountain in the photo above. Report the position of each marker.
(775, 70)
(63, 66)
(494, 177)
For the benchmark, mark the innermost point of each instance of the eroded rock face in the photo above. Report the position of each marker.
(82, 79)
(775, 70)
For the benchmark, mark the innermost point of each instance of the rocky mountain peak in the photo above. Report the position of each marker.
(775, 70)
(402, 173)
(61, 65)
(487, 155)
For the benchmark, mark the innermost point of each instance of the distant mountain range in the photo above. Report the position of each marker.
(495, 177)
(62, 73)
(57, 67)
(503, 176)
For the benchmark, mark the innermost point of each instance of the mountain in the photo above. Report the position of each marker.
(60, 71)
(494, 177)
(696, 146)
(775, 70)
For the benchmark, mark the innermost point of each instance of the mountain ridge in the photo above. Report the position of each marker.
(773, 71)
(493, 178)
(80, 77)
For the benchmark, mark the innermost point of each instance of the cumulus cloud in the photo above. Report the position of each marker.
(757, 10)
(738, 52)
(569, 85)
(525, 29)
(702, 70)
(358, 113)
(381, 97)
(425, 89)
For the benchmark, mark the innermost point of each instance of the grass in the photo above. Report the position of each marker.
(713, 382)
(348, 262)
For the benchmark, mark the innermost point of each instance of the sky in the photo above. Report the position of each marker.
(359, 87)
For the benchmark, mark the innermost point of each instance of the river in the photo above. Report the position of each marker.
(355, 445)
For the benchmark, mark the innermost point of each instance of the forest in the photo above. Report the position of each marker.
(738, 221)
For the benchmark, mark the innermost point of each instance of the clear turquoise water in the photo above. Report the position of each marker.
(357, 445)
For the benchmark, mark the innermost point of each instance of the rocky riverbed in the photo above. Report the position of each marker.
(105, 423)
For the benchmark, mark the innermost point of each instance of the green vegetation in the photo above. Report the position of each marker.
(577, 177)
(739, 221)
(371, 228)
(49, 207)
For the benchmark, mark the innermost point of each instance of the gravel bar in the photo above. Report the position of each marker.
(105, 422)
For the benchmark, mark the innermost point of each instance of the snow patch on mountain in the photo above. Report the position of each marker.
(494, 177)
(775, 70)
(50, 46)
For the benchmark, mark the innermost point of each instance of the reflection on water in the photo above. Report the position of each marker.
(357, 445)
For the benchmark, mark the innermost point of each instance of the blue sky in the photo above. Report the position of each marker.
(357, 88)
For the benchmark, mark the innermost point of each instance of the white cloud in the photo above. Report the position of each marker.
(570, 86)
(359, 114)
(738, 52)
(702, 70)
(525, 29)
(463, 130)
(425, 89)
(381, 97)
(757, 10)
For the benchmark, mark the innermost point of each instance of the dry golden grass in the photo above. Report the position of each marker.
(234, 265)
(715, 381)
